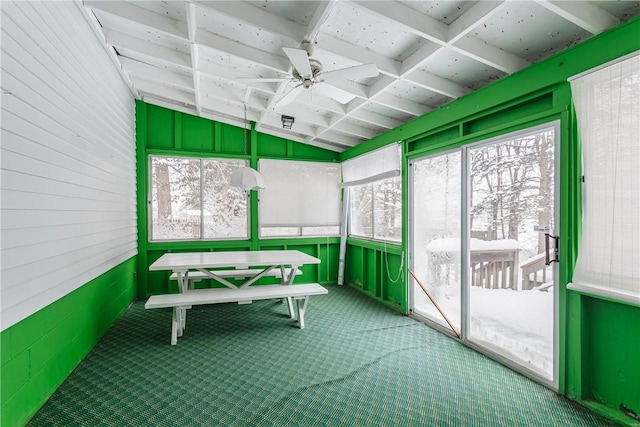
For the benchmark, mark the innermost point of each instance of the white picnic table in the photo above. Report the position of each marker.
(250, 266)
(183, 262)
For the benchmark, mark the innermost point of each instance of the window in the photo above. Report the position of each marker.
(299, 198)
(376, 210)
(375, 191)
(608, 111)
(191, 199)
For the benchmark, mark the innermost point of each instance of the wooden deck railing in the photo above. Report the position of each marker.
(490, 268)
(534, 272)
(494, 269)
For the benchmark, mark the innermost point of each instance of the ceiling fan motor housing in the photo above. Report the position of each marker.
(316, 69)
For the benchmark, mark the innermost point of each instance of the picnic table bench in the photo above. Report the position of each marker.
(180, 301)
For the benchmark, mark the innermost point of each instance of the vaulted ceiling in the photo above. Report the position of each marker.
(224, 60)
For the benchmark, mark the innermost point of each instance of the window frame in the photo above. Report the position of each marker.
(300, 229)
(373, 236)
(201, 160)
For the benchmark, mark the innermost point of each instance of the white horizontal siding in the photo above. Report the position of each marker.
(67, 188)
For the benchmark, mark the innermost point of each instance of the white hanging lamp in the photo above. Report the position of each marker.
(245, 177)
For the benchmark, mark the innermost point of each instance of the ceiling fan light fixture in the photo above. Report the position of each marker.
(287, 122)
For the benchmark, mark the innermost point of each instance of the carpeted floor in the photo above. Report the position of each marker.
(357, 363)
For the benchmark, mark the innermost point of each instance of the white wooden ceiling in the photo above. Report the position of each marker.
(188, 55)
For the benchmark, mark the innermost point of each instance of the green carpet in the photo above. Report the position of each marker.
(357, 363)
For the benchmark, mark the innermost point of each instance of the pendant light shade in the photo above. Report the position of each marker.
(246, 178)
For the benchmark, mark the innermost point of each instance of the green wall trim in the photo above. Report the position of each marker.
(193, 154)
(142, 191)
(612, 414)
(390, 247)
(538, 101)
(586, 293)
(39, 352)
(506, 127)
(392, 305)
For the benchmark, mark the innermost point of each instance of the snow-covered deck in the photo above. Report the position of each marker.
(494, 263)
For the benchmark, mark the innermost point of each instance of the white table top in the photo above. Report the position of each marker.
(238, 259)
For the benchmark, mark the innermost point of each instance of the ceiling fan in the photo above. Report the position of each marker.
(308, 72)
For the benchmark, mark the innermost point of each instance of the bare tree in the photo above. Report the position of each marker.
(507, 184)
(163, 190)
(545, 190)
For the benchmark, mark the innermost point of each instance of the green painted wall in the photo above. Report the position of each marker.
(378, 270)
(167, 132)
(610, 325)
(39, 352)
(599, 340)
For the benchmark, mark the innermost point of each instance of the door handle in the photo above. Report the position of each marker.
(556, 256)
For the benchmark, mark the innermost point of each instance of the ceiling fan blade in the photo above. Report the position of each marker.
(351, 73)
(341, 96)
(290, 96)
(300, 61)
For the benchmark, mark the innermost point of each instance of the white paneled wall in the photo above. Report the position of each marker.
(68, 196)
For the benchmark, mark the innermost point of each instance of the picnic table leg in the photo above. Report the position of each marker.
(184, 282)
(292, 312)
(174, 325)
(288, 281)
(183, 319)
(302, 306)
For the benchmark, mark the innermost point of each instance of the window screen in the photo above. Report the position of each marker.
(608, 110)
(299, 198)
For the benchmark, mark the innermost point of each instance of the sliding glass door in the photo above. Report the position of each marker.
(483, 222)
(437, 236)
(511, 209)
